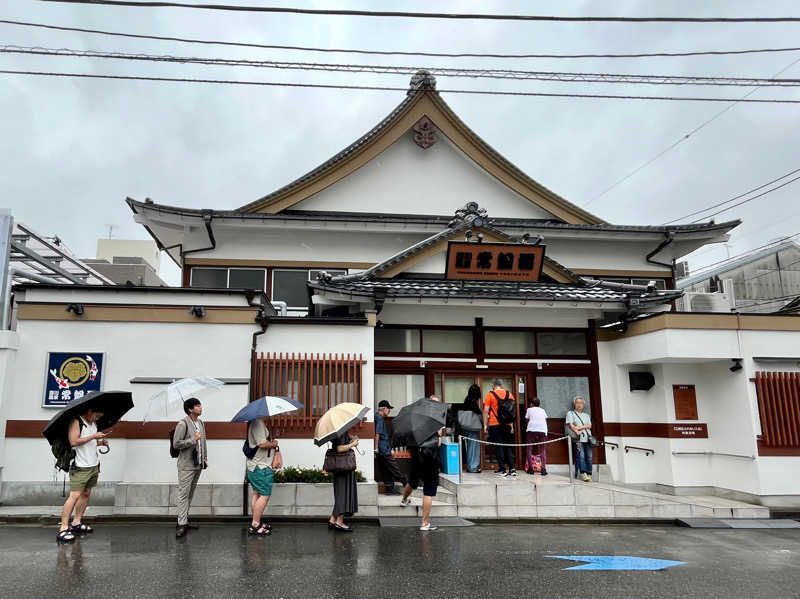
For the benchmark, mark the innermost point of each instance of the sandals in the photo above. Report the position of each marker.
(262, 531)
(65, 536)
(81, 529)
(342, 528)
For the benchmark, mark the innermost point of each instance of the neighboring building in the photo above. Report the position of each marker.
(128, 261)
(763, 281)
(416, 261)
(146, 249)
(127, 271)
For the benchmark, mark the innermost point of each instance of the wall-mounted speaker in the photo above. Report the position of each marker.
(641, 381)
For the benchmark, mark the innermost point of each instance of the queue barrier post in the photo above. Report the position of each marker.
(569, 454)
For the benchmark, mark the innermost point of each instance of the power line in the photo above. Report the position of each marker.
(400, 52)
(685, 137)
(430, 15)
(387, 88)
(562, 77)
(755, 197)
(741, 195)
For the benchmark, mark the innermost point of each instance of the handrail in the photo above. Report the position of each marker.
(646, 450)
(611, 443)
(713, 453)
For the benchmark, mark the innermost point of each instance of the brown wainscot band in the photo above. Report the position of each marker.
(662, 430)
(32, 429)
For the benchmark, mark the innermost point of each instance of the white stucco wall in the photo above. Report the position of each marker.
(438, 180)
(726, 402)
(171, 350)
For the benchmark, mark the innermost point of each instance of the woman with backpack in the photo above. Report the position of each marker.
(581, 425)
(261, 466)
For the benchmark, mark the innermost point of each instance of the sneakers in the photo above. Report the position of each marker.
(587, 478)
(428, 526)
(405, 502)
(512, 473)
(500, 473)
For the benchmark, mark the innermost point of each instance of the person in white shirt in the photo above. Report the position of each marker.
(83, 473)
(536, 433)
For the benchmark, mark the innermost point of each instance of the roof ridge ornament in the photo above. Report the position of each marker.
(471, 213)
(422, 80)
(424, 133)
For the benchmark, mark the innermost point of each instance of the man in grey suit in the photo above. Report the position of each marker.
(190, 440)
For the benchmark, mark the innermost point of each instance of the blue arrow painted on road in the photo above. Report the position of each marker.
(618, 562)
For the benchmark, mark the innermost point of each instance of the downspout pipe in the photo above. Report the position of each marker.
(669, 237)
(208, 217)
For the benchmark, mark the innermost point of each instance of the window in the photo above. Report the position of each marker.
(446, 341)
(399, 389)
(558, 392)
(396, 340)
(209, 278)
(228, 278)
(560, 343)
(246, 278)
(289, 285)
(509, 342)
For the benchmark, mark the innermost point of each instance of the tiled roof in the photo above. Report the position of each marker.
(426, 219)
(593, 292)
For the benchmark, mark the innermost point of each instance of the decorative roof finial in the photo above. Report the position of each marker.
(421, 80)
(470, 213)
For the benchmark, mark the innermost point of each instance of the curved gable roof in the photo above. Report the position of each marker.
(422, 101)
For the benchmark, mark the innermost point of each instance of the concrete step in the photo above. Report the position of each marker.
(438, 509)
(442, 496)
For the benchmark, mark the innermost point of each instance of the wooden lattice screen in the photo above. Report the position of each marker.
(318, 381)
(779, 406)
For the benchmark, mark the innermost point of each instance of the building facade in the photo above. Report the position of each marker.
(417, 261)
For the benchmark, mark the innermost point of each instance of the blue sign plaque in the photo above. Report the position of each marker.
(71, 376)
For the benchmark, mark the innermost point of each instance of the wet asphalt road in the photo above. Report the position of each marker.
(308, 561)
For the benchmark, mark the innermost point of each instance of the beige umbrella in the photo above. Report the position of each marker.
(337, 420)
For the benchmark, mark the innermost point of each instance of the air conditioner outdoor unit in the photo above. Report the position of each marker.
(681, 270)
(704, 302)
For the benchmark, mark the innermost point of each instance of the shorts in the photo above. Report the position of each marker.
(261, 480)
(426, 469)
(81, 479)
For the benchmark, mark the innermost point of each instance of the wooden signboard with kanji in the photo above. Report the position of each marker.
(685, 402)
(494, 261)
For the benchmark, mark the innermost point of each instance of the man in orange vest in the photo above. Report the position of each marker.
(499, 410)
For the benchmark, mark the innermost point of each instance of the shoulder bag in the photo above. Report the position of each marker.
(568, 432)
(469, 420)
(339, 462)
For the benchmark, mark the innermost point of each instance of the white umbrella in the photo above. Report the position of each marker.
(175, 393)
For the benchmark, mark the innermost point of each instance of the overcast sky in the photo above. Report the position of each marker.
(72, 150)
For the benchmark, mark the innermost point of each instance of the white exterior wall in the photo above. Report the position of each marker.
(172, 350)
(726, 402)
(438, 181)
(9, 342)
(494, 316)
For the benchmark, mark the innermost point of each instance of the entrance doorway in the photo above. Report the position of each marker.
(556, 392)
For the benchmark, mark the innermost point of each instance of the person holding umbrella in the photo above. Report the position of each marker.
(420, 426)
(84, 438)
(334, 426)
(189, 439)
(263, 454)
(74, 435)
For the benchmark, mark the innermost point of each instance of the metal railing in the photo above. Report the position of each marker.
(647, 451)
(713, 453)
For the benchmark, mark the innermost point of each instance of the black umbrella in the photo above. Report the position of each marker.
(113, 405)
(418, 423)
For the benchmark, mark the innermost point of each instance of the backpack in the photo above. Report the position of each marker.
(249, 452)
(505, 409)
(63, 451)
(173, 453)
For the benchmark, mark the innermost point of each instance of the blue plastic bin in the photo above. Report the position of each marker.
(450, 455)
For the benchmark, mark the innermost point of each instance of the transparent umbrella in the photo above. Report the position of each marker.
(174, 394)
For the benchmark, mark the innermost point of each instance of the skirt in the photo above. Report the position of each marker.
(345, 494)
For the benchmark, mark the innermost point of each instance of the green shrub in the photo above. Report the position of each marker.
(293, 474)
